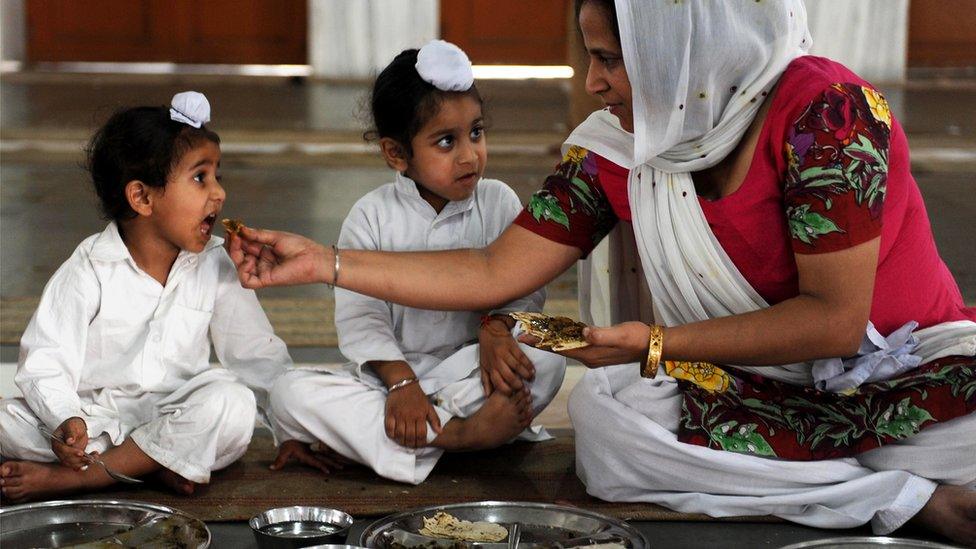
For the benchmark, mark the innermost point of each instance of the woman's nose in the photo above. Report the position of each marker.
(595, 82)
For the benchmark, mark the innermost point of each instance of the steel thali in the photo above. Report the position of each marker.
(539, 526)
(100, 524)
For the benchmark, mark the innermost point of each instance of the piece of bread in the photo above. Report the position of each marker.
(555, 333)
(445, 526)
(233, 226)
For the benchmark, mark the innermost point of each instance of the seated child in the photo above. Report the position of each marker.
(116, 358)
(414, 387)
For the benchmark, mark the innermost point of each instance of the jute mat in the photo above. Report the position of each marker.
(536, 472)
(300, 322)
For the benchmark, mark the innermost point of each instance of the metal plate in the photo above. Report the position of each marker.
(100, 523)
(541, 525)
(867, 542)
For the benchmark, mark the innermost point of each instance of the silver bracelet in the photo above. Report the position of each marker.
(402, 383)
(335, 268)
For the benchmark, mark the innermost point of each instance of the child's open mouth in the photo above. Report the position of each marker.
(468, 179)
(206, 227)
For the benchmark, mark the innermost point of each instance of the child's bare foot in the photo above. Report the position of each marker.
(499, 420)
(951, 512)
(32, 480)
(175, 482)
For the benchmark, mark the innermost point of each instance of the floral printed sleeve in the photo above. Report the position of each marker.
(837, 155)
(571, 208)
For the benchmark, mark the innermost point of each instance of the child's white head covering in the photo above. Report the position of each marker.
(444, 66)
(191, 108)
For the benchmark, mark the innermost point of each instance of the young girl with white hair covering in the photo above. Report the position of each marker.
(761, 216)
(420, 381)
(116, 360)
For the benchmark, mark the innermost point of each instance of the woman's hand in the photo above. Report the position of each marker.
(620, 344)
(74, 431)
(408, 410)
(503, 364)
(275, 258)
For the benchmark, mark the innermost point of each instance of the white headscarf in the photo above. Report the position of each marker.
(699, 71)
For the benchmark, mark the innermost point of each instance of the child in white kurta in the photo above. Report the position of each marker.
(355, 411)
(114, 356)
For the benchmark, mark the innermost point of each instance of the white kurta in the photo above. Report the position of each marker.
(346, 411)
(111, 345)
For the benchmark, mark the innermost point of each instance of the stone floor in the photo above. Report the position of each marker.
(294, 159)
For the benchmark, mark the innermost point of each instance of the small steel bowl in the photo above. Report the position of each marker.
(300, 526)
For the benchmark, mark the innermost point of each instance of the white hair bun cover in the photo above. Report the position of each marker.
(445, 66)
(191, 108)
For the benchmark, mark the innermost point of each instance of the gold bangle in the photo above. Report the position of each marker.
(655, 345)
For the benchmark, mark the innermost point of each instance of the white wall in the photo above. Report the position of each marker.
(13, 33)
(869, 36)
(356, 38)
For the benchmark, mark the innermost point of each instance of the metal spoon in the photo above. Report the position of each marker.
(92, 459)
(514, 536)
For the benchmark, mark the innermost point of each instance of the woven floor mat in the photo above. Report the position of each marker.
(536, 472)
(300, 322)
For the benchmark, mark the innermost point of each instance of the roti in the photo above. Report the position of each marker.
(555, 333)
(233, 226)
(445, 526)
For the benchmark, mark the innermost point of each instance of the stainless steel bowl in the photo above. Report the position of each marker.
(867, 542)
(300, 526)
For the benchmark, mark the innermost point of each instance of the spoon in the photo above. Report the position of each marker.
(92, 459)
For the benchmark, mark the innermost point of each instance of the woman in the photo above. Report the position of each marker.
(755, 179)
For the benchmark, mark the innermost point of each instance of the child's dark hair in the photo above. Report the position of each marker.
(608, 7)
(139, 143)
(402, 102)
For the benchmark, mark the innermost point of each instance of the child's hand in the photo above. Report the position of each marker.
(74, 431)
(321, 457)
(407, 412)
(503, 364)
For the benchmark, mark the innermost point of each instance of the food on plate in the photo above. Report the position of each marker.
(447, 526)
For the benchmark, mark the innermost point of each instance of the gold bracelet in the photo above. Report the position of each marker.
(655, 345)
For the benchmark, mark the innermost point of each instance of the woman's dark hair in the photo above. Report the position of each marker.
(401, 102)
(608, 7)
(140, 143)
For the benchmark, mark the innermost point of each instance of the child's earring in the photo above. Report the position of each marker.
(137, 194)
(394, 154)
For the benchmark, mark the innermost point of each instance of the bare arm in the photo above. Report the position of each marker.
(514, 265)
(826, 319)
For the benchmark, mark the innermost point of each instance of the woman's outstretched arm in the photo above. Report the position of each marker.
(516, 264)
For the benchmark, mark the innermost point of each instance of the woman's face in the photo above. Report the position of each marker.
(606, 77)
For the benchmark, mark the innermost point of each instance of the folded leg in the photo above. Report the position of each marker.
(203, 426)
(627, 450)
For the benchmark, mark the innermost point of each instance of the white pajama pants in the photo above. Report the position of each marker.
(627, 450)
(203, 426)
(348, 415)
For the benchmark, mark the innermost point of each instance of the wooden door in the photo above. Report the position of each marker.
(179, 31)
(516, 32)
(942, 33)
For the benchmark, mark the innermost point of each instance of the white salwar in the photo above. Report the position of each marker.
(687, 117)
(346, 409)
(111, 345)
